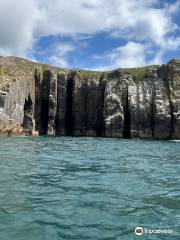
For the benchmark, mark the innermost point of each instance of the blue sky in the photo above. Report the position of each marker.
(91, 34)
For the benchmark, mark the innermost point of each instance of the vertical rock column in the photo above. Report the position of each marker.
(100, 127)
(92, 103)
(148, 108)
(52, 106)
(79, 105)
(140, 97)
(113, 104)
(45, 87)
(37, 108)
(173, 81)
(69, 110)
(84, 106)
(61, 104)
(86, 103)
(162, 115)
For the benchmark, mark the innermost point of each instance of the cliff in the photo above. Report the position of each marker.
(37, 99)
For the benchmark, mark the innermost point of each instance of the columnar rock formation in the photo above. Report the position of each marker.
(125, 103)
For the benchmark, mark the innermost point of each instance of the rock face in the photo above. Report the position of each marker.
(37, 99)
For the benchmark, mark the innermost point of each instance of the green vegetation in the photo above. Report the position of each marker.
(139, 73)
(89, 74)
(13, 68)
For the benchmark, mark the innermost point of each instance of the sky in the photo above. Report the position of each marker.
(91, 34)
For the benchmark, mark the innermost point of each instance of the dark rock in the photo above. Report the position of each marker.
(61, 104)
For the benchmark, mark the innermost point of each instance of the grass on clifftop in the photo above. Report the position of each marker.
(12, 68)
(140, 72)
(90, 74)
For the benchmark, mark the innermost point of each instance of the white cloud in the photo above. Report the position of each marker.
(64, 48)
(138, 18)
(58, 54)
(132, 54)
(58, 61)
(149, 24)
(17, 22)
(140, 22)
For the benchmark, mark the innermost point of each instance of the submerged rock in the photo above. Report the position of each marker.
(37, 99)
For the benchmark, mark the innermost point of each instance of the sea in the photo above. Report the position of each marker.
(71, 188)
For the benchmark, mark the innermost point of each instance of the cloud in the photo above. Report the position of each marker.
(150, 24)
(64, 48)
(138, 22)
(17, 22)
(132, 54)
(58, 61)
(135, 19)
(58, 55)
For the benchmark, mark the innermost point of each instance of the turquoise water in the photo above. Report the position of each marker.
(88, 188)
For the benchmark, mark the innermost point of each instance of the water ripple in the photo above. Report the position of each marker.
(87, 188)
